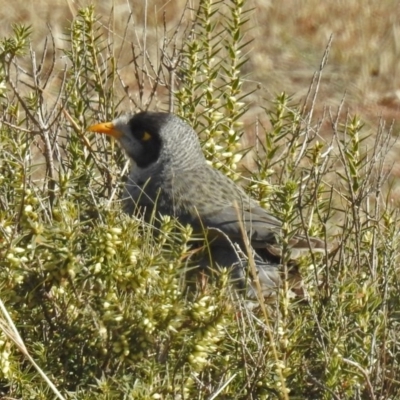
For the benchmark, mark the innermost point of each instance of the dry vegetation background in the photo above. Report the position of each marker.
(289, 38)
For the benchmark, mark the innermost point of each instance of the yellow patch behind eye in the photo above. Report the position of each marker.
(146, 136)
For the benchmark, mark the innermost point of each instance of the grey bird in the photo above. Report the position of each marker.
(170, 175)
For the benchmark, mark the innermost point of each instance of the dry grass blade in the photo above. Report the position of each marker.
(9, 329)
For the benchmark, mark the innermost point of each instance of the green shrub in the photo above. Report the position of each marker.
(102, 302)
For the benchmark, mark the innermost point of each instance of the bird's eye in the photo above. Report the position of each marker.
(146, 136)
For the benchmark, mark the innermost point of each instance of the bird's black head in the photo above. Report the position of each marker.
(150, 137)
(145, 128)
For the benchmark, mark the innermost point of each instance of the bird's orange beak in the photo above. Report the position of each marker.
(107, 128)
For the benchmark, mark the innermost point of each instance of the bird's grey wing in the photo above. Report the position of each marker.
(215, 203)
(261, 225)
(236, 221)
(262, 228)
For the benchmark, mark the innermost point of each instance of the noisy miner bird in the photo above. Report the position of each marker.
(170, 175)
